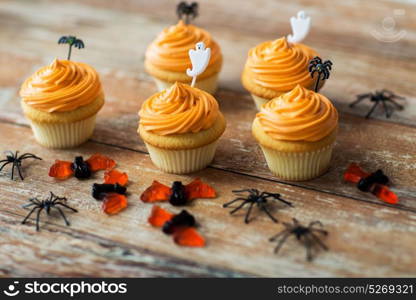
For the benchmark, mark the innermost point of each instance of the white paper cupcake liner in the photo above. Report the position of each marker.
(63, 135)
(259, 101)
(209, 84)
(182, 161)
(298, 166)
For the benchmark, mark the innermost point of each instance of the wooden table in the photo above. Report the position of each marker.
(367, 237)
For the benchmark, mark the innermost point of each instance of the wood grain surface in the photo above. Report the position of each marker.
(367, 237)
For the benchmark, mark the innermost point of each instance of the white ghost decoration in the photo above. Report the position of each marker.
(199, 58)
(301, 25)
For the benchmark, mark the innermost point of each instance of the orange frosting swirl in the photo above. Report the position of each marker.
(299, 115)
(62, 86)
(279, 65)
(169, 51)
(179, 109)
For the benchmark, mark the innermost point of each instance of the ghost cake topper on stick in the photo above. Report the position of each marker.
(199, 59)
(301, 25)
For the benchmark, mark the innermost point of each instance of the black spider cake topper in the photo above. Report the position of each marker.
(52, 202)
(187, 11)
(316, 65)
(254, 197)
(385, 97)
(16, 161)
(308, 236)
(71, 41)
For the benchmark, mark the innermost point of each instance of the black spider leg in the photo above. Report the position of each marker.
(284, 235)
(22, 157)
(63, 216)
(278, 198)
(397, 105)
(6, 162)
(64, 205)
(247, 217)
(37, 218)
(31, 212)
(264, 208)
(387, 109)
(372, 109)
(308, 243)
(233, 201)
(359, 99)
(320, 230)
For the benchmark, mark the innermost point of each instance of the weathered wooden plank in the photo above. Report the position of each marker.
(65, 252)
(388, 233)
(339, 30)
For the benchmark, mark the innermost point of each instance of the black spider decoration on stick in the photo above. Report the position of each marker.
(383, 96)
(71, 41)
(13, 158)
(190, 11)
(308, 236)
(255, 197)
(52, 202)
(322, 68)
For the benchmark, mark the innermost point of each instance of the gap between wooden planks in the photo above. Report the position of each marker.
(388, 233)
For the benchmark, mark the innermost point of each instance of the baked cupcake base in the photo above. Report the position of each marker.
(63, 129)
(63, 135)
(182, 161)
(210, 84)
(184, 153)
(298, 166)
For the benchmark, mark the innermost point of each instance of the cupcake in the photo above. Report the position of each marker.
(276, 67)
(181, 127)
(296, 132)
(61, 101)
(167, 57)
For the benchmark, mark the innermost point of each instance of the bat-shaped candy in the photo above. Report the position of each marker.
(112, 192)
(375, 183)
(178, 194)
(80, 168)
(180, 226)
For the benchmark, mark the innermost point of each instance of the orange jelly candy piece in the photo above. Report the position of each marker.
(384, 194)
(354, 173)
(114, 203)
(100, 162)
(198, 189)
(114, 176)
(61, 169)
(188, 236)
(159, 216)
(156, 192)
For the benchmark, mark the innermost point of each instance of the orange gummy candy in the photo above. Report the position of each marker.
(61, 169)
(159, 216)
(114, 203)
(100, 162)
(188, 236)
(354, 173)
(114, 176)
(156, 192)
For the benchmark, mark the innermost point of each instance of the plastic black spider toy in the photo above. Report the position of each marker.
(383, 96)
(306, 235)
(255, 197)
(52, 202)
(190, 11)
(322, 68)
(16, 161)
(71, 41)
